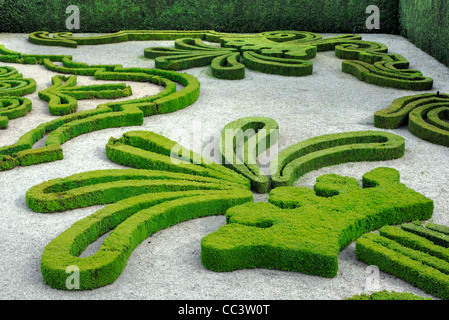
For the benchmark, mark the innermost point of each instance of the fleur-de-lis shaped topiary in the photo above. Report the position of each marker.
(299, 230)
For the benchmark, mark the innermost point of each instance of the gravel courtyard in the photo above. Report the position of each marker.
(167, 265)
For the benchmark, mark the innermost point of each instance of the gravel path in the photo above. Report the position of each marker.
(167, 265)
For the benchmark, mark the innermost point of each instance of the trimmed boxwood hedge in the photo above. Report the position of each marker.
(113, 114)
(13, 84)
(275, 52)
(251, 136)
(312, 154)
(330, 16)
(412, 252)
(148, 150)
(139, 203)
(62, 96)
(12, 108)
(425, 115)
(304, 230)
(386, 295)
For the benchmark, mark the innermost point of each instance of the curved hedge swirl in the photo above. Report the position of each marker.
(304, 230)
(139, 203)
(333, 149)
(241, 141)
(277, 52)
(413, 252)
(62, 96)
(425, 114)
(108, 115)
(13, 84)
(12, 108)
(170, 183)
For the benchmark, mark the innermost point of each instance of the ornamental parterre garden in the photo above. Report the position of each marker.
(112, 178)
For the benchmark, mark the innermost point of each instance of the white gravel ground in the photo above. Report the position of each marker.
(167, 265)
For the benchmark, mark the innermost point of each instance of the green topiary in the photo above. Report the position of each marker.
(304, 230)
(275, 52)
(62, 96)
(386, 295)
(12, 108)
(413, 252)
(113, 114)
(332, 149)
(425, 114)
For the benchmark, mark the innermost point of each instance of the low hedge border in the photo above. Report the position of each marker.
(240, 143)
(113, 114)
(13, 84)
(139, 203)
(12, 108)
(148, 150)
(63, 95)
(275, 52)
(304, 230)
(423, 113)
(386, 295)
(132, 221)
(315, 153)
(412, 252)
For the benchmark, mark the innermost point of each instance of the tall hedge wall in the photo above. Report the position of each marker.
(426, 24)
(221, 15)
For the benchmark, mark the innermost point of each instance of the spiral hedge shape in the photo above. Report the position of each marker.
(12, 108)
(275, 52)
(425, 115)
(139, 203)
(304, 230)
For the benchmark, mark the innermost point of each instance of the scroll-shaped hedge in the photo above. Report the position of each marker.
(63, 95)
(425, 114)
(113, 114)
(323, 151)
(139, 203)
(12, 83)
(12, 108)
(304, 230)
(416, 253)
(148, 150)
(241, 141)
(274, 52)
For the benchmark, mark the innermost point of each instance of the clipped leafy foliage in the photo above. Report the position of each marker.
(425, 23)
(413, 252)
(62, 96)
(12, 108)
(13, 84)
(112, 114)
(386, 295)
(241, 141)
(315, 153)
(139, 202)
(304, 230)
(276, 52)
(425, 114)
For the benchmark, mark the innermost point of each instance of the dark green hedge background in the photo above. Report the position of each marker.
(426, 24)
(221, 15)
